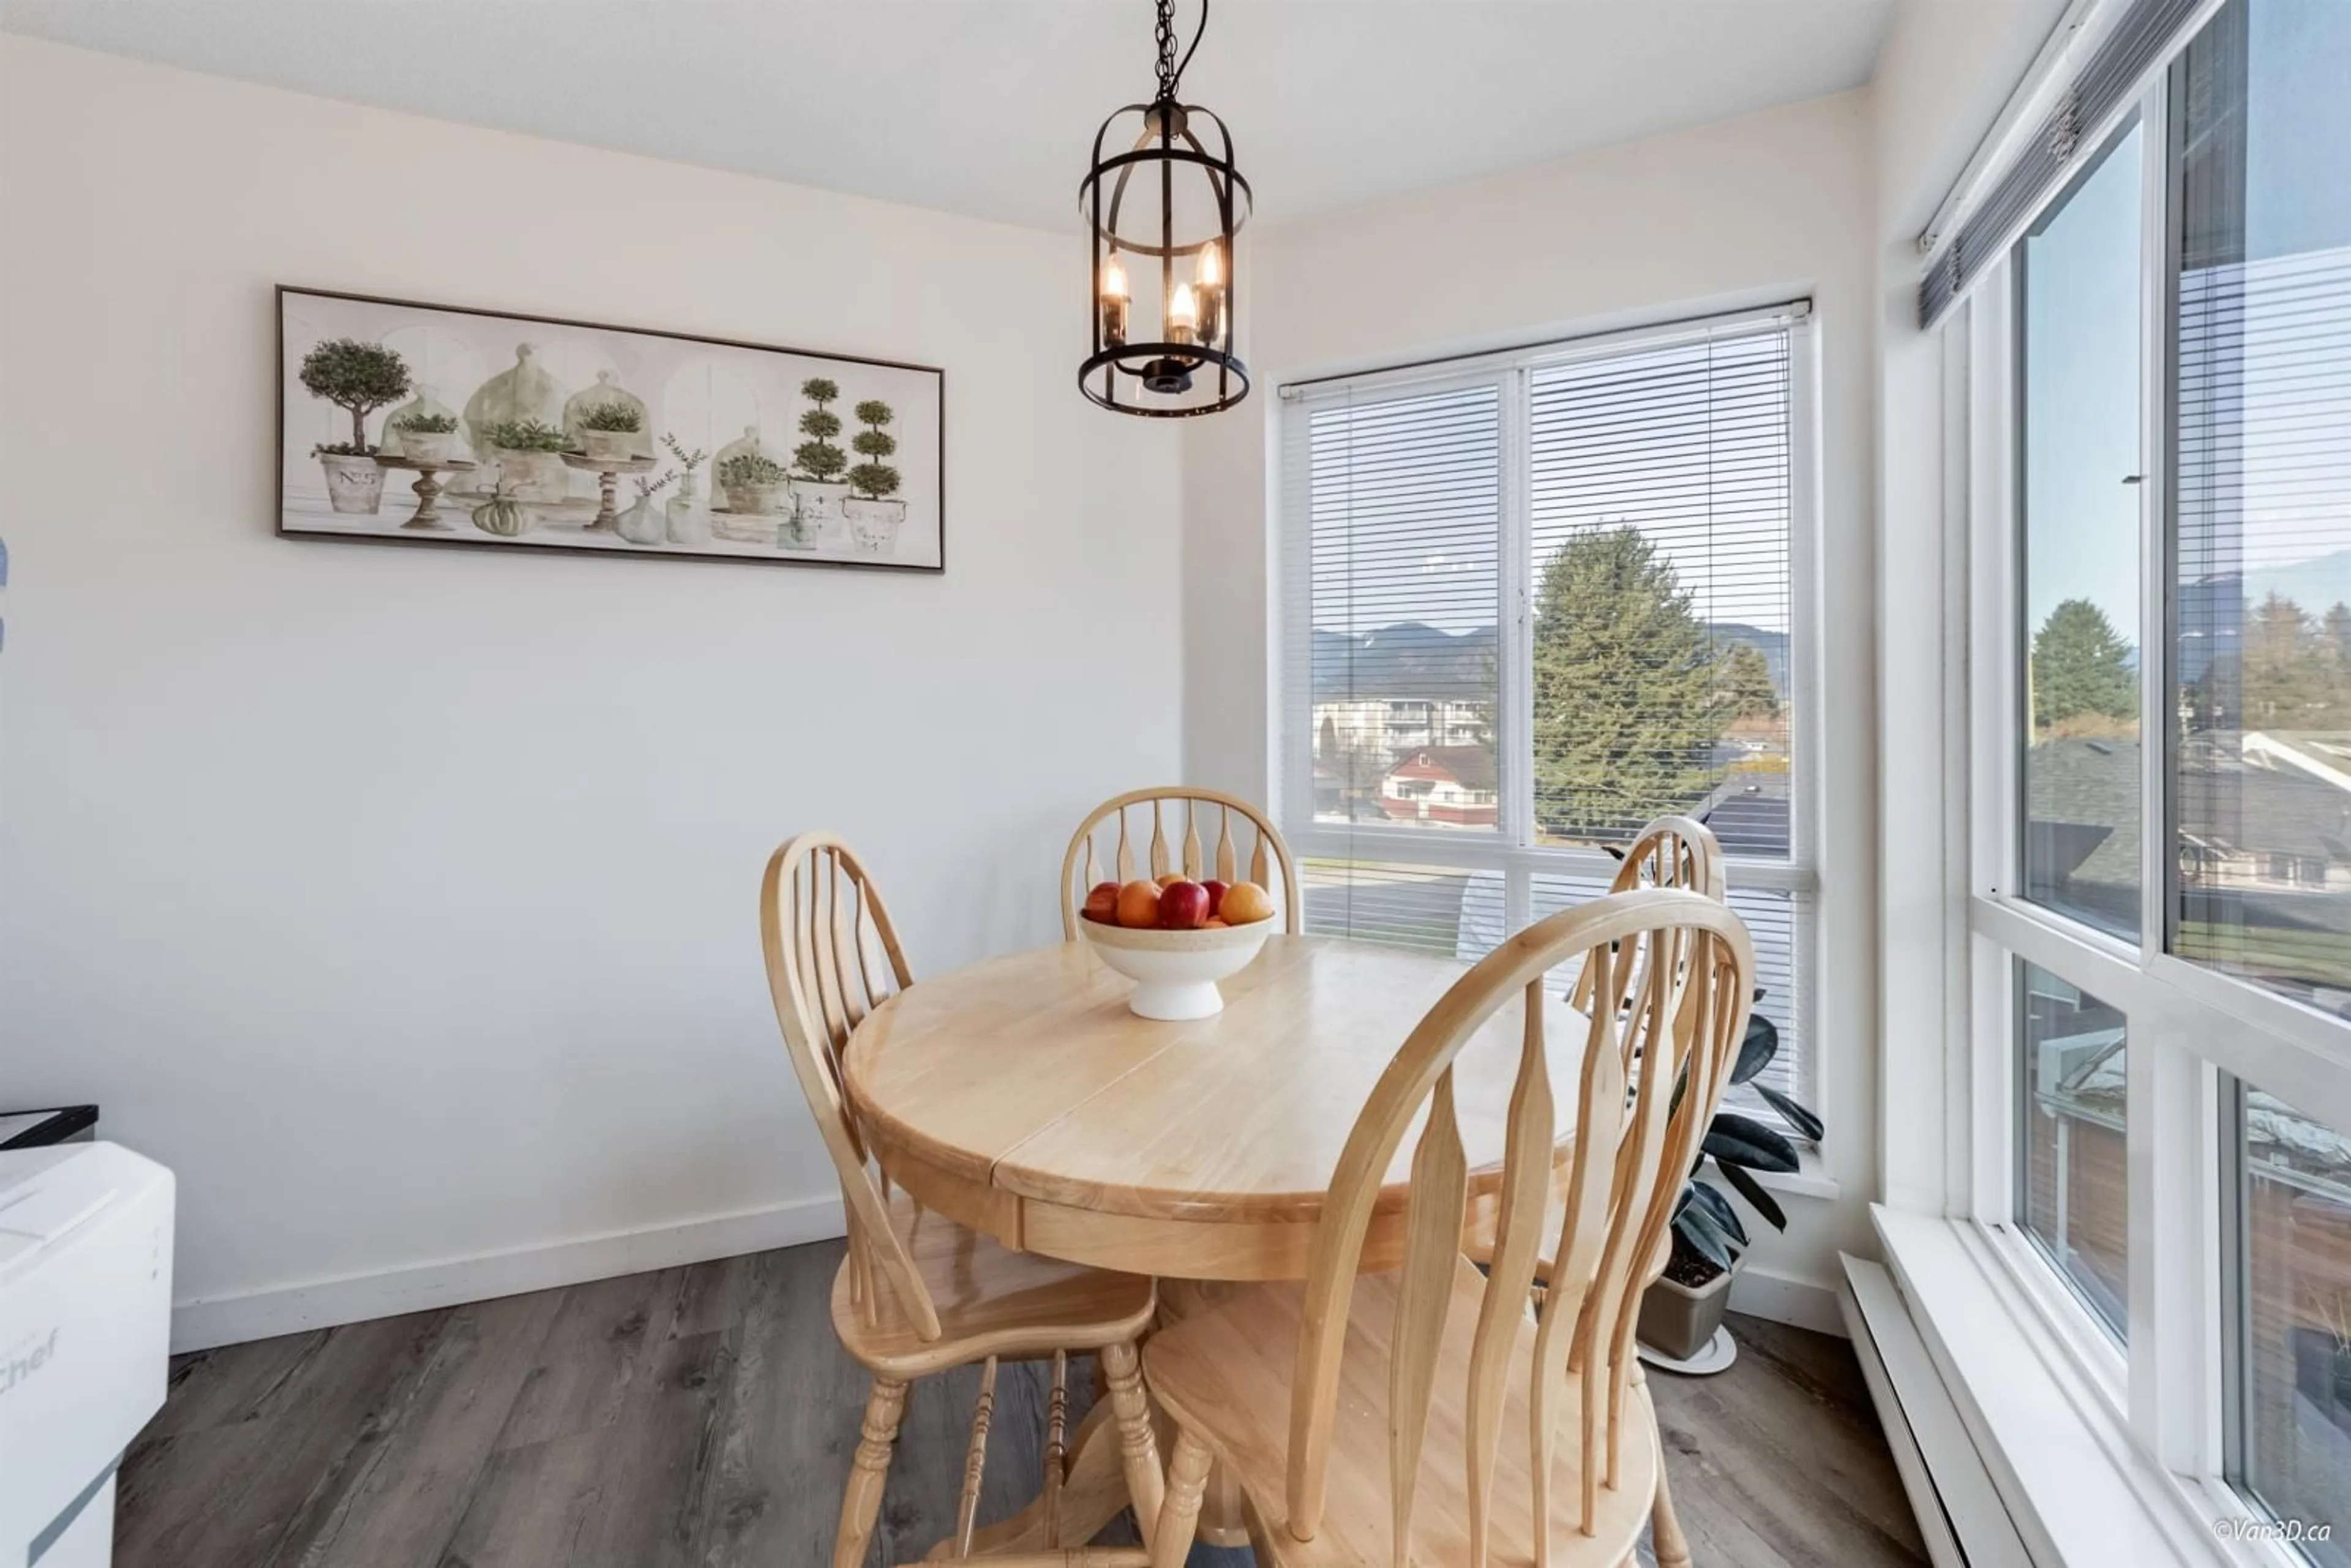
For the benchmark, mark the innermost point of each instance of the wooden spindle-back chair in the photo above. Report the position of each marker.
(1459, 1355)
(1103, 848)
(1670, 851)
(917, 1293)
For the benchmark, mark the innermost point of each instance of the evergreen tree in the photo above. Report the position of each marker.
(1747, 683)
(2287, 683)
(1626, 695)
(2080, 667)
(2337, 628)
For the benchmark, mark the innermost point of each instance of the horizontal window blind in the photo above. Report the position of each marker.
(1406, 518)
(2089, 103)
(1660, 505)
(1530, 603)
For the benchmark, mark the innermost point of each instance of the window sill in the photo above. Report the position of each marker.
(1811, 1177)
(2079, 1491)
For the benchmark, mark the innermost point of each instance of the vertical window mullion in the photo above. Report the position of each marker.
(1515, 703)
(1996, 772)
(2162, 1077)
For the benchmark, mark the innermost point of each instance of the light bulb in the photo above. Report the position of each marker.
(1114, 303)
(1183, 314)
(1210, 272)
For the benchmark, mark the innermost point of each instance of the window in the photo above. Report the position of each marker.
(2262, 662)
(2291, 1227)
(2072, 1198)
(2078, 348)
(1534, 601)
(2159, 717)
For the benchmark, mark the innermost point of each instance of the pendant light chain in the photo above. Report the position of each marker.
(1166, 37)
(1171, 69)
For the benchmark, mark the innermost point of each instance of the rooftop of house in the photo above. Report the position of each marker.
(1471, 767)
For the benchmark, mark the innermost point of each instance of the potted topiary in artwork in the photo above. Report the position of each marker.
(1682, 1307)
(873, 508)
(817, 484)
(359, 378)
(530, 458)
(609, 431)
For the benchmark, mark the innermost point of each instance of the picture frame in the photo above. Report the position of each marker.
(404, 421)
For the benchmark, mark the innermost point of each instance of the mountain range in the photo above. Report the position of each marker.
(1412, 660)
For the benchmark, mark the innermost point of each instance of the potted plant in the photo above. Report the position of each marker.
(359, 378)
(689, 519)
(818, 484)
(427, 437)
(609, 431)
(1682, 1307)
(530, 459)
(519, 394)
(873, 509)
(2322, 1358)
(755, 484)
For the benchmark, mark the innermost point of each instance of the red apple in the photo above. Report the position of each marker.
(1183, 906)
(1101, 904)
(1216, 896)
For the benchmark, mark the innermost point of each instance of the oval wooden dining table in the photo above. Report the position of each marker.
(1020, 1097)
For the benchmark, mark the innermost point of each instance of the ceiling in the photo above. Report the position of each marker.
(987, 107)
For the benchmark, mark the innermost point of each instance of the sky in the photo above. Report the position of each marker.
(2081, 302)
(1423, 546)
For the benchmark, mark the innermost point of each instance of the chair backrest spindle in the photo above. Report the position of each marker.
(1080, 868)
(1665, 952)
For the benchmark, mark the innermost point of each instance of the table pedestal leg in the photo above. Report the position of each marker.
(1091, 1496)
(1224, 1518)
(1095, 1487)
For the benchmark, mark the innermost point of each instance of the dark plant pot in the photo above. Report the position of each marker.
(1677, 1320)
(2322, 1375)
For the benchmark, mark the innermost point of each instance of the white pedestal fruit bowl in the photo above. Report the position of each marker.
(1175, 972)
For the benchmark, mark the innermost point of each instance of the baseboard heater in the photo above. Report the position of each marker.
(1959, 1512)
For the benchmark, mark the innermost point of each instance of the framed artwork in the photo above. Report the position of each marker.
(429, 425)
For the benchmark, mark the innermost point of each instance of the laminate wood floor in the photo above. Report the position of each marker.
(704, 1416)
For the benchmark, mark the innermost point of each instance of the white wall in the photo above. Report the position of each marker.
(1946, 70)
(1750, 211)
(403, 901)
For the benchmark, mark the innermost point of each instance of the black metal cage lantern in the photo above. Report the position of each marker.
(1164, 213)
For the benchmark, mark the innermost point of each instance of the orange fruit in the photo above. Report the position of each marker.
(1244, 903)
(1167, 876)
(1138, 903)
(1212, 922)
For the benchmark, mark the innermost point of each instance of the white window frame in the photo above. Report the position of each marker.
(2159, 1406)
(1510, 849)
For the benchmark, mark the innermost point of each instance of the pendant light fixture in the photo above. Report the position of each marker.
(1165, 276)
